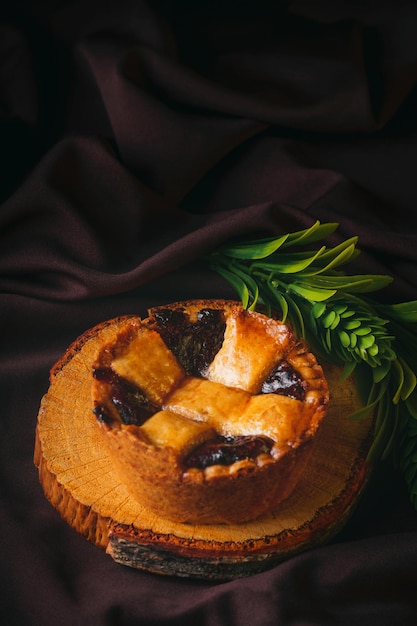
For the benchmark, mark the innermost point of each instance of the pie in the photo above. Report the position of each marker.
(209, 411)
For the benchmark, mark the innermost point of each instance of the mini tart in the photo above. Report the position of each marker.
(209, 411)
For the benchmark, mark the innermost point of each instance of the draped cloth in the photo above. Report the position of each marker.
(135, 138)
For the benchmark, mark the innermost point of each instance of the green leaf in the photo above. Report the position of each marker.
(237, 283)
(340, 308)
(404, 311)
(328, 320)
(336, 321)
(339, 255)
(251, 285)
(368, 391)
(398, 375)
(362, 412)
(288, 263)
(352, 324)
(366, 342)
(411, 404)
(348, 369)
(296, 316)
(381, 371)
(363, 330)
(393, 416)
(254, 250)
(283, 305)
(408, 450)
(411, 471)
(245, 286)
(352, 284)
(382, 431)
(275, 298)
(310, 293)
(318, 309)
(328, 340)
(315, 233)
(410, 380)
(344, 338)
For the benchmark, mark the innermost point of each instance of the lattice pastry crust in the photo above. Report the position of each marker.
(209, 411)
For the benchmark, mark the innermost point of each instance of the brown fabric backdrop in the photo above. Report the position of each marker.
(136, 136)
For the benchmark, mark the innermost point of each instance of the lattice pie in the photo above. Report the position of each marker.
(209, 411)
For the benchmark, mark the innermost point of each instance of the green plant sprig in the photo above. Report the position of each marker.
(331, 310)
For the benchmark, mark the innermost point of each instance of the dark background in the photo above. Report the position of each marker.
(134, 138)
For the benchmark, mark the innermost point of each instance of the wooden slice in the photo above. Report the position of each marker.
(79, 480)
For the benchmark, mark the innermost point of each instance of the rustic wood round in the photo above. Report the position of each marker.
(79, 481)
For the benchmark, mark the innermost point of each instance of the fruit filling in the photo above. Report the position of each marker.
(195, 344)
(228, 450)
(285, 380)
(132, 405)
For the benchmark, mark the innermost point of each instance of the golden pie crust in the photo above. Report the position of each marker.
(172, 383)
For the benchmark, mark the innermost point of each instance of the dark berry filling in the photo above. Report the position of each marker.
(228, 450)
(286, 381)
(195, 344)
(103, 415)
(132, 405)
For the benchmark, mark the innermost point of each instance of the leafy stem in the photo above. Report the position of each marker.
(332, 310)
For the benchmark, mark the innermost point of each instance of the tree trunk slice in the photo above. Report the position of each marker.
(78, 479)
